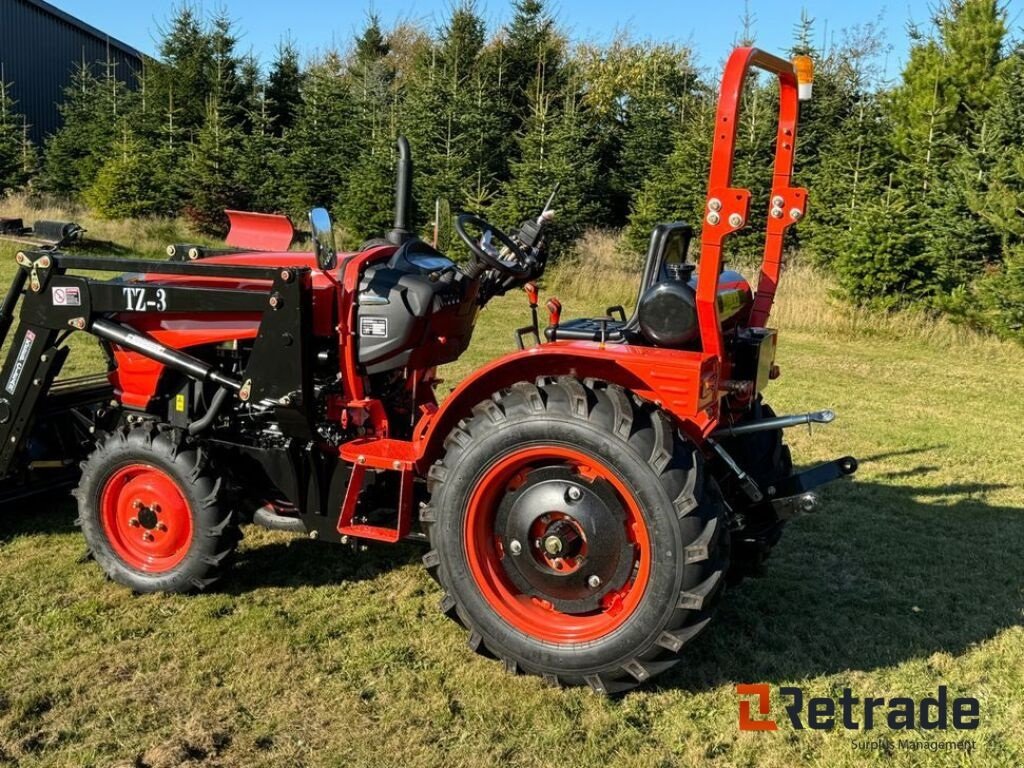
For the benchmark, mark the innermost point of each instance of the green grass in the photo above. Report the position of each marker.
(909, 578)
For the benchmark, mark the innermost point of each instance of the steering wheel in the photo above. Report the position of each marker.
(513, 263)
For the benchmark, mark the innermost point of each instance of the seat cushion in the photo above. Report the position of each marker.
(589, 329)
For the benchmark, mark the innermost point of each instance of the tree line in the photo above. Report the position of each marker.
(917, 185)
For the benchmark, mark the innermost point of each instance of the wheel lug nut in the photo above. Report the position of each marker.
(574, 493)
(136, 504)
(156, 508)
(134, 522)
(161, 527)
(515, 547)
(594, 581)
(147, 536)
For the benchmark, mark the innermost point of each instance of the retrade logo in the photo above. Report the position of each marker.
(761, 694)
(854, 713)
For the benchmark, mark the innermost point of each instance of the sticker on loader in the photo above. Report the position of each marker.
(19, 363)
(67, 296)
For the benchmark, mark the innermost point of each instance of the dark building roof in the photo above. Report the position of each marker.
(40, 46)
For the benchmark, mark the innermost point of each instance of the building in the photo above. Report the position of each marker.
(40, 46)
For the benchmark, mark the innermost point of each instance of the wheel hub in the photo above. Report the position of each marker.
(146, 518)
(562, 534)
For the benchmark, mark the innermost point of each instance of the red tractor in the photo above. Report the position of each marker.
(583, 498)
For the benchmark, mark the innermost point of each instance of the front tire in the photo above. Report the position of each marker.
(148, 508)
(575, 534)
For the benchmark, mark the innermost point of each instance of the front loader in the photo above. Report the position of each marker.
(583, 499)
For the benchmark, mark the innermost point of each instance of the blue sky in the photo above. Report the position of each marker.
(710, 26)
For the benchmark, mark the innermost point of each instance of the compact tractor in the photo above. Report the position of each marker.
(584, 499)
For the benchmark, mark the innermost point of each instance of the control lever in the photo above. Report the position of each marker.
(532, 295)
(533, 329)
(554, 316)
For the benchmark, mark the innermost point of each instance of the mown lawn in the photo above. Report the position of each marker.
(909, 578)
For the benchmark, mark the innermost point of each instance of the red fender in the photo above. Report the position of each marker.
(682, 383)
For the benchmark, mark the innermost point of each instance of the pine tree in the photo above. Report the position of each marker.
(319, 148)
(89, 114)
(365, 207)
(284, 88)
(126, 185)
(674, 190)
(554, 149)
(187, 78)
(17, 157)
(212, 184)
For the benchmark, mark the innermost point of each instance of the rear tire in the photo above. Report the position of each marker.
(149, 511)
(648, 523)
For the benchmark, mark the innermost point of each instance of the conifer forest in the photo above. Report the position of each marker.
(916, 177)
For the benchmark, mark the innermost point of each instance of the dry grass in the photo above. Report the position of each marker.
(311, 655)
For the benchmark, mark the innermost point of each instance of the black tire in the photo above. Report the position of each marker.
(208, 549)
(680, 507)
(762, 455)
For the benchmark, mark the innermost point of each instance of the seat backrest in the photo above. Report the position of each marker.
(669, 244)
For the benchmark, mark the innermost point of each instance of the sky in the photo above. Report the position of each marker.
(710, 27)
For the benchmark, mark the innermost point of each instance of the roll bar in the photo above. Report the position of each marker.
(727, 207)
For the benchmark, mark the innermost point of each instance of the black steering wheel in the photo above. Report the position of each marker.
(513, 262)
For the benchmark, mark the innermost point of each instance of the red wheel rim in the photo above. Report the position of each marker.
(484, 551)
(146, 518)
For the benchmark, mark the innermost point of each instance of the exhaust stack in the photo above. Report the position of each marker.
(403, 194)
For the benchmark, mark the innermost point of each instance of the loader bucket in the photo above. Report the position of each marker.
(259, 231)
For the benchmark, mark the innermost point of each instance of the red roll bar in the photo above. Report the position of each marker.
(727, 208)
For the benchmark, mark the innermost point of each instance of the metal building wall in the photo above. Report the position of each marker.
(39, 48)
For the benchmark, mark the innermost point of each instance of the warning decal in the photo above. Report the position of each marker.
(67, 296)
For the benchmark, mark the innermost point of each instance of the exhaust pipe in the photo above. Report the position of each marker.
(403, 195)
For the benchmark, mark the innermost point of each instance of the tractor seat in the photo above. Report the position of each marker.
(590, 329)
(668, 246)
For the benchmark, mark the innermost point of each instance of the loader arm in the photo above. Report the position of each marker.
(54, 303)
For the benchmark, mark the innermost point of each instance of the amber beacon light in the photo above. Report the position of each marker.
(804, 67)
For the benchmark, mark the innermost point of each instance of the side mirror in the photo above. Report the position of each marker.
(323, 238)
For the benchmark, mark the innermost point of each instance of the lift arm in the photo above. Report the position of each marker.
(55, 304)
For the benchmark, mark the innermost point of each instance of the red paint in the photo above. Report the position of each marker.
(146, 518)
(683, 383)
(526, 613)
(736, 201)
(259, 231)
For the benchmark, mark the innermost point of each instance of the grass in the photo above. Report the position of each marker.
(909, 578)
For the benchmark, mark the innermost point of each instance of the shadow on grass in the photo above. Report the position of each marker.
(882, 575)
(52, 513)
(301, 562)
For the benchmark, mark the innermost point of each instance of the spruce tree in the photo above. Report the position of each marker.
(89, 118)
(366, 203)
(674, 189)
(17, 157)
(187, 52)
(443, 111)
(126, 185)
(554, 149)
(284, 87)
(211, 181)
(319, 148)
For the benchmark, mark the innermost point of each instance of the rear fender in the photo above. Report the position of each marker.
(682, 383)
